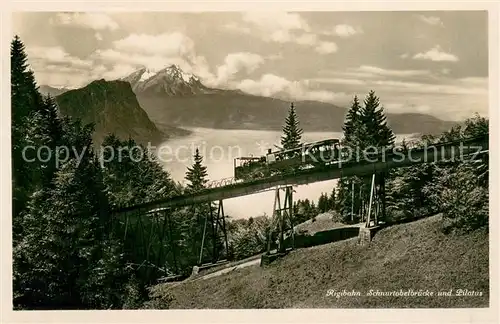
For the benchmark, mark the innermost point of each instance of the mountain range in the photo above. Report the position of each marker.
(154, 105)
(182, 100)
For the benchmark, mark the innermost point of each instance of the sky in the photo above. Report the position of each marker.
(433, 62)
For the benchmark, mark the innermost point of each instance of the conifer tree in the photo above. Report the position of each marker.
(194, 225)
(375, 131)
(292, 133)
(332, 203)
(352, 123)
(197, 174)
(343, 199)
(321, 203)
(44, 128)
(25, 100)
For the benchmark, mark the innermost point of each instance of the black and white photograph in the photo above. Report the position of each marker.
(166, 160)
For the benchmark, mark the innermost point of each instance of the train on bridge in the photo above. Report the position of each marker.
(308, 155)
(324, 154)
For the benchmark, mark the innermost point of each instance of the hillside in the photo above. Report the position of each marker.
(407, 256)
(48, 90)
(113, 107)
(236, 110)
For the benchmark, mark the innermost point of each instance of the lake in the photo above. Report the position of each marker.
(219, 148)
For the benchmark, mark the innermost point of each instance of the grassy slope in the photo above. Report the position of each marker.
(414, 255)
(323, 222)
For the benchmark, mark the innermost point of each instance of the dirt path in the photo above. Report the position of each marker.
(226, 270)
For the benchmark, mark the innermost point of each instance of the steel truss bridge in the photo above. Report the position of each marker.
(154, 218)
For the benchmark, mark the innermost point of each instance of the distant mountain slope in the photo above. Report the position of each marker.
(46, 90)
(174, 97)
(113, 107)
(234, 110)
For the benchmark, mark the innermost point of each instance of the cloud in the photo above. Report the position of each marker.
(153, 62)
(445, 98)
(398, 107)
(306, 39)
(196, 65)
(54, 55)
(338, 81)
(279, 36)
(270, 85)
(386, 72)
(98, 36)
(276, 21)
(450, 107)
(118, 71)
(344, 31)
(156, 52)
(450, 87)
(367, 72)
(74, 77)
(280, 27)
(237, 62)
(431, 20)
(283, 28)
(437, 55)
(445, 71)
(169, 44)
(365, 78)
(90, 20)
(234, 27)
(326, 48)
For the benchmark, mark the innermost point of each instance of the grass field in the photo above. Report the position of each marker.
(407, 256)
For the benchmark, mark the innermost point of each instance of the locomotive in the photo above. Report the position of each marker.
(305, 156)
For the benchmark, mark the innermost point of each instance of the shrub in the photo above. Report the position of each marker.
(464, 201)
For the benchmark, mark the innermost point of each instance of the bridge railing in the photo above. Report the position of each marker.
(221, 182)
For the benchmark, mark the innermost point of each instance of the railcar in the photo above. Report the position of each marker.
(304, 156)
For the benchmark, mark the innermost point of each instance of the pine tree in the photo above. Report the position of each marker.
(44, 128)
(24, 92)
(194, 224)
(321, 203)
(292, 133)
(364, 127)
(25, 100)
(313, 210)
(375, 131)
(352, 124)
(332, 203)
(197, 174)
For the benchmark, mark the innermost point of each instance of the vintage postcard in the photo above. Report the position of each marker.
(316, 161)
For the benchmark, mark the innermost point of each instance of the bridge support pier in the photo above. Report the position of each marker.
(282, 218)
(376, 201)
(216, 224)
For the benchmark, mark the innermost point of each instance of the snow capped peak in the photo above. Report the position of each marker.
(146, 74)
(174, 72)
(170, 80)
